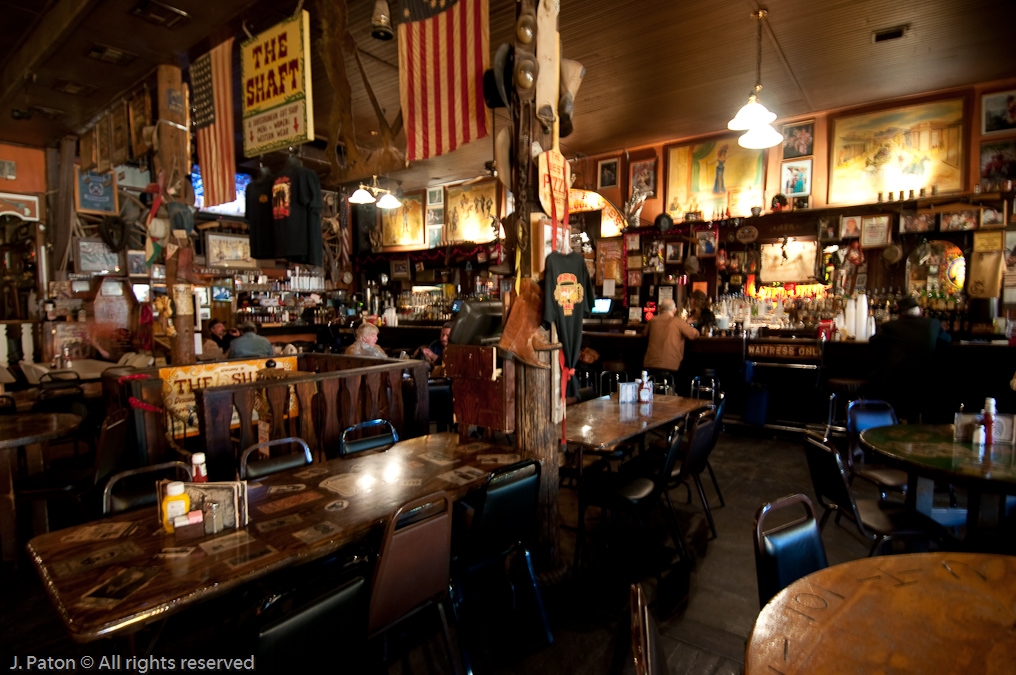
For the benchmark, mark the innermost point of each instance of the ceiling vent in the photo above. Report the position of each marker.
(74, 88)
(886, 34)
(107, 54)
(159, 13)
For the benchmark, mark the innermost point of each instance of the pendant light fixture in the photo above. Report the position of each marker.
(754, 117)
(368, 194)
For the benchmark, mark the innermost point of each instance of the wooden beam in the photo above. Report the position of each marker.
(52, 30)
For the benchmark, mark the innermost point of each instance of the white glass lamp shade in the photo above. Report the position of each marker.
(760, 137)
(361, 196)
(388, 201)
(752, 114)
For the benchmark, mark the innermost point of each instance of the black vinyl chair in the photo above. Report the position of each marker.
(139, 486)
(386, 437)
(866, 414)
(787, 552)
(497, 524)
(259, 468)
(879, 521)
(637, 488)
(645, 636)
(61, 392)
(702, 435)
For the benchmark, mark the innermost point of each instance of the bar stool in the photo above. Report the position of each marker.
(849, 389)
(706, 385)
(613, 371)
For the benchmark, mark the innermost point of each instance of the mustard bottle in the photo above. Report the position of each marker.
(175, 503)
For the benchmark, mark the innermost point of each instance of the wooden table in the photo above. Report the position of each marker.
(601, 424)
(928, 452)
(341, 501)
(17, 431)
(919, 613)
(87, 369)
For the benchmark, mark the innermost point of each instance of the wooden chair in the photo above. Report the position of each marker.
(386, 438)
(787, 552)
(259, 468)
(878, 521)
(413, 566)
(645, 636)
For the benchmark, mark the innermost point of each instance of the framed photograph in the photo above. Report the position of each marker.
(860, 170)
(799, 139)
(828, 229)
(675, 252)
(95, 192)
(875, 231)
(643, 175)
(136, 264)
(92, 255)
(631, 242)
(404, 226)
(435, 217)
(710, 176)
(960, 221)
(990, 240)
(435, 196)
(795, 177)
(400, 269)
(158, 271)
(634, 278)
(998, 162)
(228, 250)
(606, 173)
(861, 282)
(706, 247)
(993, 217)
(918, 222)
(850, 227)
(434, 236)
(203, 295)
(998, 113)
(467, 213)
(222, 294)
(635, 262)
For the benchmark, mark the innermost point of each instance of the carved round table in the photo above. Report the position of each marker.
(918, 613)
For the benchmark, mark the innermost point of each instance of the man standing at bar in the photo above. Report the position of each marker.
(667, 333)
(904, 353)
(250, 343)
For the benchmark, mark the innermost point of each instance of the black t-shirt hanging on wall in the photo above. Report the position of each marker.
(568, 298)
(258, 198)
(296, 211)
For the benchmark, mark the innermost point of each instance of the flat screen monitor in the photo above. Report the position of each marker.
(456, 305)
(479, 322)
(601, 306)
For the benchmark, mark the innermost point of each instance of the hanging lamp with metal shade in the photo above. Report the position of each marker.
(754, 117)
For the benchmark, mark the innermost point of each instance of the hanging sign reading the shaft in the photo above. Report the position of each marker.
(278, 109)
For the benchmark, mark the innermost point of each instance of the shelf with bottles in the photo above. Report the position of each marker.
(297, 279)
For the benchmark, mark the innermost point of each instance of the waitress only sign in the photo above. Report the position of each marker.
(278, 108)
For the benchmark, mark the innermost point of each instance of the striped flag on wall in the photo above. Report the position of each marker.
(211, 78)
(444, 47)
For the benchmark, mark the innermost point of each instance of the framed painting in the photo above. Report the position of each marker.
(137, 266)
(918, 222)
(799, 139)
(675, 252)
(875, 231)
(435, 196)
(998, 161)
(828, 229)
(606, 173)
(993, 217)
(227, 250)
(998, 113)
(434, 236)
(400, 269)
(795, 177)
(702, 177)
(435, 216)
(468, 211)
(706, 247)
(92, 255)
(910, 146)
(631, 242)
(643, 176)
(404, 226)
(95, 192)
(850, 227)
(960, 221)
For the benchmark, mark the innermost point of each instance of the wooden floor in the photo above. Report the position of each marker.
(705, 610)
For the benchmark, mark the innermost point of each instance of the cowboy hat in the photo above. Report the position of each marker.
(495, 93)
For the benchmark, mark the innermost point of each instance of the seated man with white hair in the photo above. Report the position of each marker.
(366, 342)
(667, 333)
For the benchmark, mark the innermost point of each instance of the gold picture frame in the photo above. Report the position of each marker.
(710, 176)
(406, 225)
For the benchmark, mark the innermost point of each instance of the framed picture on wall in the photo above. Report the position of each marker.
(850, 227)
(960, 221)
(828, 229)
(998, 113)
(799, 139)
(93, 255)
(706, 247)
(875, 231)
(918, 222)
(435, 196)
(992, 217)
(400, 269)
(136, 264)
(675, 252)
(701, 178)
(228, 250)
(95, 192)
(998, 162)
(643, 175)
(606, 173)
(795, 177)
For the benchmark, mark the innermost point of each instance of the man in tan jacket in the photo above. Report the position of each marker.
(667, 334)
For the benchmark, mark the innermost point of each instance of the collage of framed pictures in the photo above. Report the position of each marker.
(798, 162)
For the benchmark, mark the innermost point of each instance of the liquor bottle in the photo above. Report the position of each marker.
(988, 415)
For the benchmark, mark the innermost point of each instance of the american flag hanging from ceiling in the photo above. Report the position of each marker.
(444, 47)
(211, 78)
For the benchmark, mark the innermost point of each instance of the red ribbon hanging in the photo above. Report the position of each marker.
(136, 403)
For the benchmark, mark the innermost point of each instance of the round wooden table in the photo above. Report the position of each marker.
(17, 431)
(918, 613)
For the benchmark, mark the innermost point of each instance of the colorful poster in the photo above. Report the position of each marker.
(710, 177)
(608, 261)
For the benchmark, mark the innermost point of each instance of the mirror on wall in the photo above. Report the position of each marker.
(936, 266)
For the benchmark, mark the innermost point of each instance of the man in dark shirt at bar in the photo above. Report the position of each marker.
(904, 350)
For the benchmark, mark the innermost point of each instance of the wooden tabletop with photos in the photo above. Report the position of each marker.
(603, 423)
(116, 574)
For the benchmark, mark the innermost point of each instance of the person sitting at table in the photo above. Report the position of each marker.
(250, 343)
(366, 342)
(667, 333)
(903, 351)
(217, 339)
(701, 317)
(433, 352)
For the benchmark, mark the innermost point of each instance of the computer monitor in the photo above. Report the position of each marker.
(602, 305)
(456, 305)
(478, 322)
